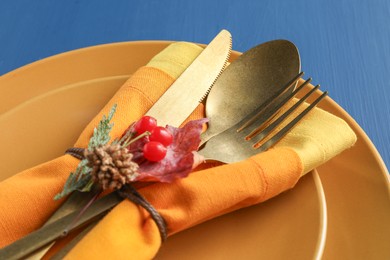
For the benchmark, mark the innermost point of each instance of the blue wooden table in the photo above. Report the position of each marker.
(344, 44)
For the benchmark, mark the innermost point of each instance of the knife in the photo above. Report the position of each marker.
(49, 233)
(173, 107)
(185, 94)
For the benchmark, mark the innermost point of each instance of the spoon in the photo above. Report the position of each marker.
(248, 83)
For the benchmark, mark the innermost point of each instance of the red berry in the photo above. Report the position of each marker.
(146, 123)
(162, 135)
(154, 151)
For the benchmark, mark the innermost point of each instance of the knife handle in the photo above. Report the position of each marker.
(47, 234)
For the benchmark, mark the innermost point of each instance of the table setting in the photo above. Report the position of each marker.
(151, 149)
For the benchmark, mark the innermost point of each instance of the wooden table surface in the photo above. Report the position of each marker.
(344, 44)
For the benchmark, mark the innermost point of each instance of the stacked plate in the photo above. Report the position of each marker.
(51, 101)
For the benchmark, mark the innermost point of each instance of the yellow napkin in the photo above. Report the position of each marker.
(128, 231)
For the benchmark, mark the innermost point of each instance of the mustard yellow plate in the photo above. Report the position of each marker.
(291, 226)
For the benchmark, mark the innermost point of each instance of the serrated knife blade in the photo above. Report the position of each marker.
(193, 85)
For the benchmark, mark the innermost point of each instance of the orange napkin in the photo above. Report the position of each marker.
(128, 231)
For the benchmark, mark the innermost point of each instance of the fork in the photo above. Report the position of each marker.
(251, 135)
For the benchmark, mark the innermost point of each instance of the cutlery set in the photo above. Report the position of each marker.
(246, 102)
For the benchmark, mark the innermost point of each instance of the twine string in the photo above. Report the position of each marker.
(131, 193)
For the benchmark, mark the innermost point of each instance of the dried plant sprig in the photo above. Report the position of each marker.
(77, 180)
(81, 178)
(101, 133)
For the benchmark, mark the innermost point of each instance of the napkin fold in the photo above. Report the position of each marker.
(128, 231)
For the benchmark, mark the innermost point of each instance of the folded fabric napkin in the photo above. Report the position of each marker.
(128, 231)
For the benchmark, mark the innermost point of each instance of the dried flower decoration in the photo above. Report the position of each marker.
(132, 158)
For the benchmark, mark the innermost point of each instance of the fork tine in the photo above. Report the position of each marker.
(274, 139)
(272, 111)
(270, 102)
(266, 131)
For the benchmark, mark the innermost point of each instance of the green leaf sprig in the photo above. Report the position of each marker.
(81, 179)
